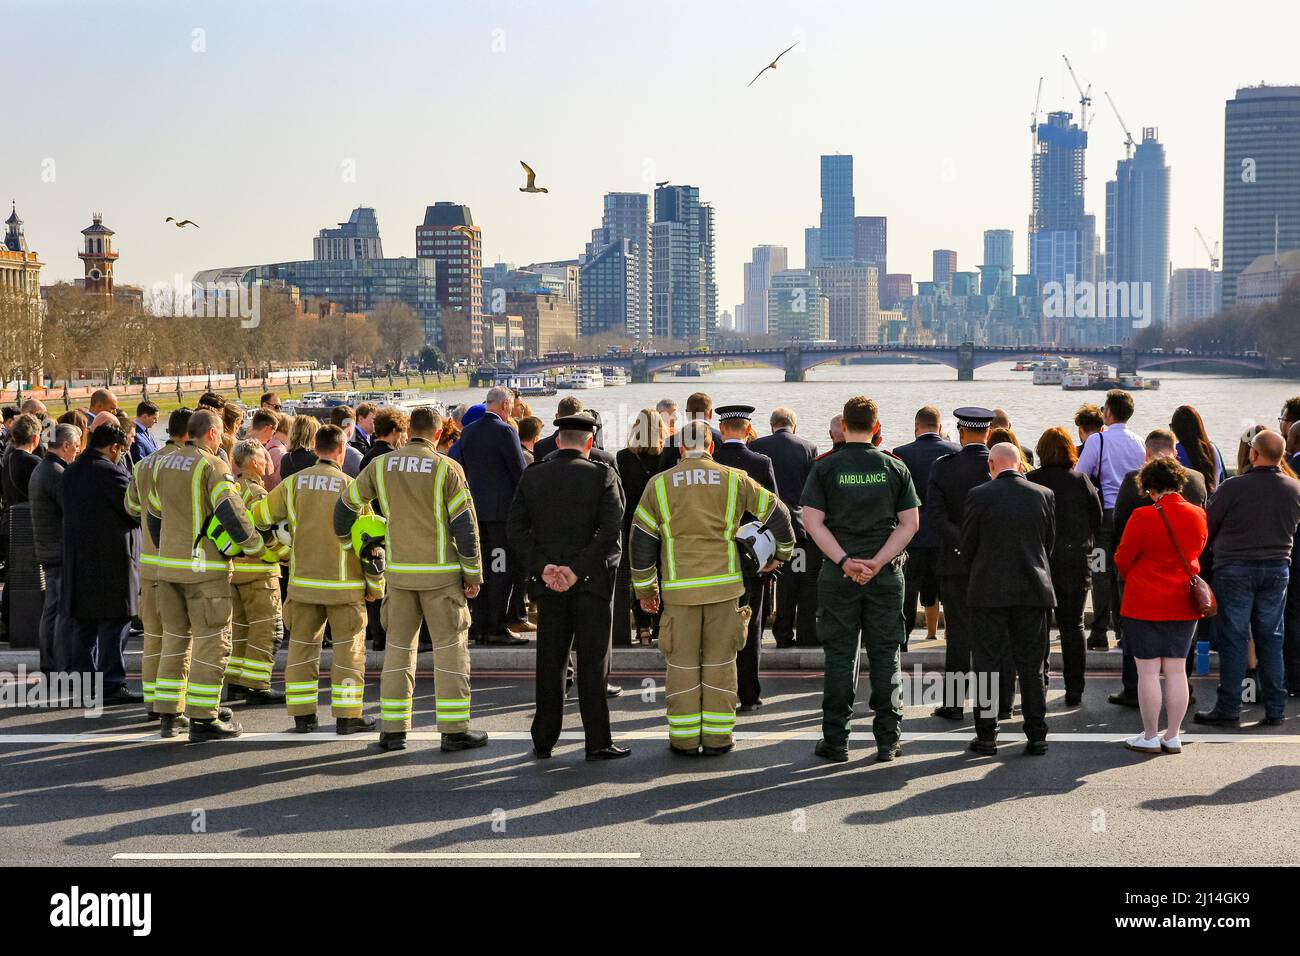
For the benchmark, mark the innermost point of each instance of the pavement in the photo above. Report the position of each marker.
(81, 791)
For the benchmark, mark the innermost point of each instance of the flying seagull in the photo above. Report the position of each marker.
(532, 177)
(772, 65)
(182, 223)
(466, 230)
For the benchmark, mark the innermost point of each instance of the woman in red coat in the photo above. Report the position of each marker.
(1158, 611)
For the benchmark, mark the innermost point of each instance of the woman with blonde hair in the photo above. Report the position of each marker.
(302, 442)
(637, 464)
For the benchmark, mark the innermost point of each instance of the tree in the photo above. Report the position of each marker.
(399, 329)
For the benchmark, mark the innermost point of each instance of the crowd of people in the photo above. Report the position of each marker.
(406, 529)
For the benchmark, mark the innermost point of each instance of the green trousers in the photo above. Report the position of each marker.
(851, 618)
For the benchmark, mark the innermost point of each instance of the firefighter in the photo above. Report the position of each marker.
(193, 500)
(433, 569)
(254, 593)
(684, 530)
(328, 583)
(137, 495)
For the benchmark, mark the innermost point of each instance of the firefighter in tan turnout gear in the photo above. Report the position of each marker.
(433, 567)
(193, 502)
(684, 530)
(327, 584)
(254, 593)
(137, 499)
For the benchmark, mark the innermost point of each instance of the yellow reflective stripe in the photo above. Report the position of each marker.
(326, 585)
(733, 485)
(765, 504)
(665, 516)
(149, 559)
(196, 496)
(219, 490)
(420, 568)
(259, 567)
(189, 564)
(702, 582)
(353, 495)
(382, 486)
(648, 523)
(438, 516)
(454, 505)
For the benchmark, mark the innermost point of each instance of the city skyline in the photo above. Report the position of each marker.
(200, 147)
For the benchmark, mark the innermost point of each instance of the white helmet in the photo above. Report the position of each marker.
(757, 545)
(283, 533)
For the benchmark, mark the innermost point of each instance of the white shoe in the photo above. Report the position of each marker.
(1171, 746)
(1143, 744)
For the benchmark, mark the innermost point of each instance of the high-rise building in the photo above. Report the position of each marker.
(449, 237)
(896, 287)
(871, 241)
(611, 291)
(853, 297)
(796, 310)
(98, 256)
(1261, 178)
(812, 247)
(999, 248)
(358, 238)
(765, 262)
(1194, 294)
(1062, 237)
(836, 233)
(627, 216)
(684, 286)
(1137, 233)
(549, 321)
(945, 264)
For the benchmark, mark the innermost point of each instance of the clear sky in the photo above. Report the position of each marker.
(250, 126)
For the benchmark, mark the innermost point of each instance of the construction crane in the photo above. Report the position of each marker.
(1214, 256)
(1128, 137)
(1033, 118)
(1085, 96)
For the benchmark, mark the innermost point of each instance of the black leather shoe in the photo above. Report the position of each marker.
(613, 690)
(1073, 700)
(392, 740)
(121, 695)
(1036, 747)
(1004, 715)
(541, 754)
(683, 752)
(214, 730)
(948, 713)
(1216, 717)
(1271, 722)
(465, 740)
(306, 724)
(225, 713)
(353, 725)
(886, 754)
(749, 708)
(1098, 644)
(261, 696)
(503, 639)
(986, 748)
(169, 725)
(612, 752)
(830, 752)
(718, 751)
(1122, 700)
(232, 692)
(152, 715)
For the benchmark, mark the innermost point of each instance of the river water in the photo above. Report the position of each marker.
(1228, 404)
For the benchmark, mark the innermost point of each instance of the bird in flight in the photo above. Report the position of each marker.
(772, 65)
(532, 178)
(466, 230)
(182, 223)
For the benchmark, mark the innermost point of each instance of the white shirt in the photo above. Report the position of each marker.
(1110, 455)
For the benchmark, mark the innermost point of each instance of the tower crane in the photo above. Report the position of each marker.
(1128, 137)
(1214, 256)
(1033, 118)
(1085, 96)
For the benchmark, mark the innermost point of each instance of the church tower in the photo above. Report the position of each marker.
(98, 256)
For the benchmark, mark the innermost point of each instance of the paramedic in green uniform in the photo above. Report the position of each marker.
(861, 509)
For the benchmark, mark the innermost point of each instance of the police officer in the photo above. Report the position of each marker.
(327, 583)
(137, 496)
(861, 509)
(566, 525)
(254, 593)
(684, 529)
(733, 423)
(433, 567)
(191, 502)
(951, 479)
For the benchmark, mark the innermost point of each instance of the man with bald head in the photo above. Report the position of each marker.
(1007, 533)
(1252, 522)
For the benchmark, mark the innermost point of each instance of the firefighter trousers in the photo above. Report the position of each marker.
(306, 625)
(447, 613)
(700, 643)
(195, 647)
(255, 608)
(151, 621)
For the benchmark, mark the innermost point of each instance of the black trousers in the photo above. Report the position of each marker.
(488, 610)
(516, 608)
(52, 639)
(920, 583)
(747, 686)
(623, 602)
(99, 646)
(796, 597)
(959, 636)
(1291, 638)
(1069, 620)
(1105, 584)
(581, 621)
(1018, 633)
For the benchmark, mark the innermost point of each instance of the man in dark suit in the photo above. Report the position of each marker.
(921, 573)
(566, 524)
(569, 406)
(951, 479)
(101, 563)
(143, 445)
(733, 422)
(493, 460)
(699, 405)
(1007, 535)
(796, 582)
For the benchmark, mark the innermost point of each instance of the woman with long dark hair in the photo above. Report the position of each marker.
(1194, 449)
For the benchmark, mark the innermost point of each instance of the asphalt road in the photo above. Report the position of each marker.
(90, 799)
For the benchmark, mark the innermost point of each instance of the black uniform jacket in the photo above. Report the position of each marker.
(792, 460)
(1007, 534)
(951, 479)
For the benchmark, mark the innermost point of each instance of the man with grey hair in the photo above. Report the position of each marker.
(667, 409)
(45, 492)
(837, 432)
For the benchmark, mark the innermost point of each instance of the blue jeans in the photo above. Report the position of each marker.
(1252, 602)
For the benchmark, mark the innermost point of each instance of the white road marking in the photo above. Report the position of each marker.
(376, 856)
(958, 736)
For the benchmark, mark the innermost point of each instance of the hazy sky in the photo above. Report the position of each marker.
(254, 136)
